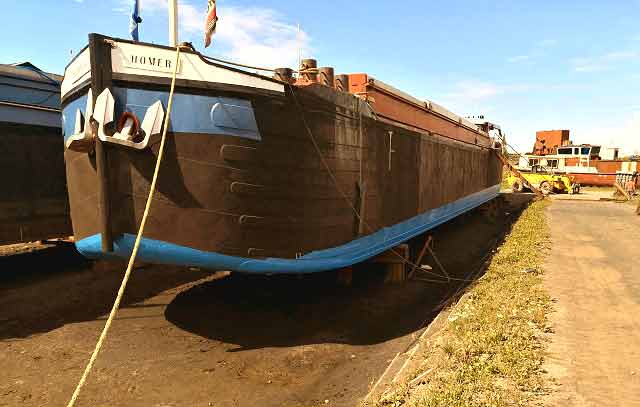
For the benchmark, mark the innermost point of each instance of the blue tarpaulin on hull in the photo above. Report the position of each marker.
(356, 251)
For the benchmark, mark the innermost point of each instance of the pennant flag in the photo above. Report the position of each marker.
(135, 20)
(210, 24)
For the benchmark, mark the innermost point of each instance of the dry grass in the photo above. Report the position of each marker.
(504, 185)
(491, 351)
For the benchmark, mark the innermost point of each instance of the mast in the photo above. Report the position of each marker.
(298, 43)
(173, 23)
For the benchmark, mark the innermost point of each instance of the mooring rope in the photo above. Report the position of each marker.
(258, 68)
(226, 62)
(134, 253)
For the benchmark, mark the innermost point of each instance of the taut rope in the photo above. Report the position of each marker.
(134, 253)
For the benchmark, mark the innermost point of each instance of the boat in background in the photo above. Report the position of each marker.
(33, 203)
(261, 174)
(587, 164)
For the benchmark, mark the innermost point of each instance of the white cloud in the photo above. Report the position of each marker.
(474, 97)
(472, 91)
(259, 36)
(617, 55)
(626, 136)
(546, 43)
(518, 58)
(537, 50)
(591, 68)
(603, 62)
(251, 35)
(152, 5)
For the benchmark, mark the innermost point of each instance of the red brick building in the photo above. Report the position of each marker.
(548, 140)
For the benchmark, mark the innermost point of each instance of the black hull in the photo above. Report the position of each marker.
(33, 203)
(296, 190)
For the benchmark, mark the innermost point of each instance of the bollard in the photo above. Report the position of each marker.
(284, 75)
(311, 66)
(342, 83)
(325, 76)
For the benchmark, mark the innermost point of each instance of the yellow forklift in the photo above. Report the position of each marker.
(538, 180)
(542, 179)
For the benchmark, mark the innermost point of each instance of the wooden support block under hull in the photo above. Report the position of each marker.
(345, 276)
(395, 261)
(491, 210)
(396, 273)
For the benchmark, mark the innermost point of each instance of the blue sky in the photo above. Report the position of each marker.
(525, 65)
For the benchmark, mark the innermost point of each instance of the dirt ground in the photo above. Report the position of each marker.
(593, 275)
(181, 339)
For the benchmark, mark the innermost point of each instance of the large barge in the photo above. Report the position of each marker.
(33, 202)
(261, 173)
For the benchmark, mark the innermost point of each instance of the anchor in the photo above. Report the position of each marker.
(83, 136)
(128, 133)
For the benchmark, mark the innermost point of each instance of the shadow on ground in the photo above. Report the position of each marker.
(46, 287)
(21, 263)
(260, 311)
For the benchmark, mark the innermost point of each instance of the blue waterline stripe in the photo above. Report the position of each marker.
(356, 251)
